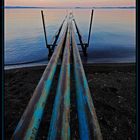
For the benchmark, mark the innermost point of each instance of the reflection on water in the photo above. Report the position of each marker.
(112, 38)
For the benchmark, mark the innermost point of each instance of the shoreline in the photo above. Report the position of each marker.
(77, 7)
(95, 66)
(112, 88)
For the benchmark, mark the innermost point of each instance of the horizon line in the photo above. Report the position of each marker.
(18, 6)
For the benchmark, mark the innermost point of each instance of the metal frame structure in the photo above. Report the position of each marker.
(52, 45)
(84, 45)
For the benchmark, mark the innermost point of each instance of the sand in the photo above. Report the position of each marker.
(112, 88)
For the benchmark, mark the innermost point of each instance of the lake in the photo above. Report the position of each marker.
(112, 39)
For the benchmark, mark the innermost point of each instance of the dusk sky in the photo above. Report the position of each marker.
(70, 3)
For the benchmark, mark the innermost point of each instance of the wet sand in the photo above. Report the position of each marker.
(112, 88)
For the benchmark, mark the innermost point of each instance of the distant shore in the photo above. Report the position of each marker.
(129, 7)
(112, 88)
(95, 66)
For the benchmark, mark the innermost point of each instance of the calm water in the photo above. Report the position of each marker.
(112, 38)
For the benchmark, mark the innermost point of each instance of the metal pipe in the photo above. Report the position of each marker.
(59, 126)
(88, 124)
(28, 125)
(44, 27)
(90, 26)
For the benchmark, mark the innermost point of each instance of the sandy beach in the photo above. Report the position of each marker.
(112, 89)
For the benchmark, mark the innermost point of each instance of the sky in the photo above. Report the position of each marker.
(69, 3)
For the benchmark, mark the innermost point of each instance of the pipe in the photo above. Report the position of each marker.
(88, 124)
(59, 126)
(28, 125)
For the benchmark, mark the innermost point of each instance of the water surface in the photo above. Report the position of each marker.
(112, 38)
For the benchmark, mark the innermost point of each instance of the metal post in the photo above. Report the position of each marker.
(44, 28)
(80, 39)
(90, 26)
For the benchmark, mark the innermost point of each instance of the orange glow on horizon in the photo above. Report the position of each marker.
(69, 3)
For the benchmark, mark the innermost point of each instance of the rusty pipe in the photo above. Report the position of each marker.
(59, 126)
(88, 124)
(28, 125)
